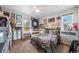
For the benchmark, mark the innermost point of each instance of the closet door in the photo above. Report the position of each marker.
(19, 34)
(15, 34)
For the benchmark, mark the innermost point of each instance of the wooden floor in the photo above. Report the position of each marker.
(24, 46)
(62, 48)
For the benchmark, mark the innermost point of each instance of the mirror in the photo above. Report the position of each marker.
(35, 23)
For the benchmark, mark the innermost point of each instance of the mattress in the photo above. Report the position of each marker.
(43, 41)
(45, 37)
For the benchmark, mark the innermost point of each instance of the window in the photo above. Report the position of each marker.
(67, 22)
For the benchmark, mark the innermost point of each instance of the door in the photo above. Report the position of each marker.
(19, 33)
(15, 34)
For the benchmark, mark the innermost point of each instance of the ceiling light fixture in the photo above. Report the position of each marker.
(37, 10)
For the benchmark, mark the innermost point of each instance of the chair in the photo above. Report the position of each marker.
(73, 47)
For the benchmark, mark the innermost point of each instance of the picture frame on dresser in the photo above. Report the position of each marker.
(51, 19)
(59, 17)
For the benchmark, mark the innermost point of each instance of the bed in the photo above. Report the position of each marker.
(43, 41)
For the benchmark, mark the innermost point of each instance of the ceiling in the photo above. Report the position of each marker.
(42, 10)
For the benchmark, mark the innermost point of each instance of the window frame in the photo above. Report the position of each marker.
(70, 14)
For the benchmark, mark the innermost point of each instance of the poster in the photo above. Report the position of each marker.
(26, 25)
(18, 19)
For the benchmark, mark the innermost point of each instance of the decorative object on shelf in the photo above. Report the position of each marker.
(51, 20)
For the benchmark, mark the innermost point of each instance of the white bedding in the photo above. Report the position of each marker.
(46, 37)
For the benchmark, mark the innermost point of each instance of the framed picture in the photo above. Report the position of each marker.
(18, 17)
(58, 18)
(12, 16)
(26, 25)
(18, 20)
(51, 20)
